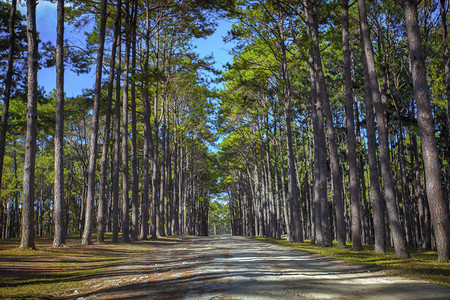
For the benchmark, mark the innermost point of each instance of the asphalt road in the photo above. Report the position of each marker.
(238, 268)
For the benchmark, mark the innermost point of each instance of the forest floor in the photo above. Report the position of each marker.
(221, 267)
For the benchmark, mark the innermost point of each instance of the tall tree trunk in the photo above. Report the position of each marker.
(8, 85)
(176, 177)
(154, 159)
(277, 190)
(125, 171)
(86, 240)
(351, 139)
(380, 110)
(101, 211)
(294, 205)
(134, 160)
(115, 169)
(162, 175)
(435, 195)
(59, 211)
(322, 93)
(286, 213)
(147, 134)
(30, 140)
(320, 183)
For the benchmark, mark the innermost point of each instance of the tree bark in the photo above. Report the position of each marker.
(444, 12)
(380, 110)
(8, 85)
(351, 139)
(134, 160)
(438, 208)
(125, 171)
(296, 226)
(322, 93)
(154, 148)
(59, 211)
(147, 133)
(86, 240)
(30, 140)
(101, 211)
(115, 169)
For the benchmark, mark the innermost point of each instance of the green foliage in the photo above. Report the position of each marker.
(219, 217)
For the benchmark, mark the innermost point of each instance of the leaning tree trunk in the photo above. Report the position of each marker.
(435, 195)
(86, 240)
(380, 110)
(101, 211)
(8, 83)
(351, 139)
(30, 140)
(59, 211)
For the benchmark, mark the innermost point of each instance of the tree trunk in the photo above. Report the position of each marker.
(438, 208)
(125, 187)
(380, 109)
(115, 169)
(322, 93)
(59, 211)
(86, 240)
(101, 211)
(351, 139)
(8, 85)
(296, 226)
(154, 159)
(147, 133)
(134, 160)
(30, 140)
(444, 12)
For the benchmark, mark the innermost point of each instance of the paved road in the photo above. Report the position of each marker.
(238, 268)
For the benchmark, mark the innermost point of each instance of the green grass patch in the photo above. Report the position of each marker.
(421, 265)
(26, 273)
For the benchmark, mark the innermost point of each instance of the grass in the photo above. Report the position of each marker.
(26, 273)
(422, 265)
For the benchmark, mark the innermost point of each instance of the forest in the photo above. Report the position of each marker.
(331, 124)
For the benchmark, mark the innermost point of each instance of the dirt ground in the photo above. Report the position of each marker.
(238, 268)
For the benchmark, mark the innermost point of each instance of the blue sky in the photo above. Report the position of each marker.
(74, 84)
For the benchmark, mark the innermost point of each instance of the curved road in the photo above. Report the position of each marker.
(238, 268)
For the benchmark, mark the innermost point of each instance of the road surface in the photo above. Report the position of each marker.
(238, 268)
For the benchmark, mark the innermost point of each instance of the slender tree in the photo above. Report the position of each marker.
(30, 140)
(87, 234)
(351, 139)
(125, 172)
(59, 210)
(116, 164)
(134, 159)
(101, 211)
(8, 85)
